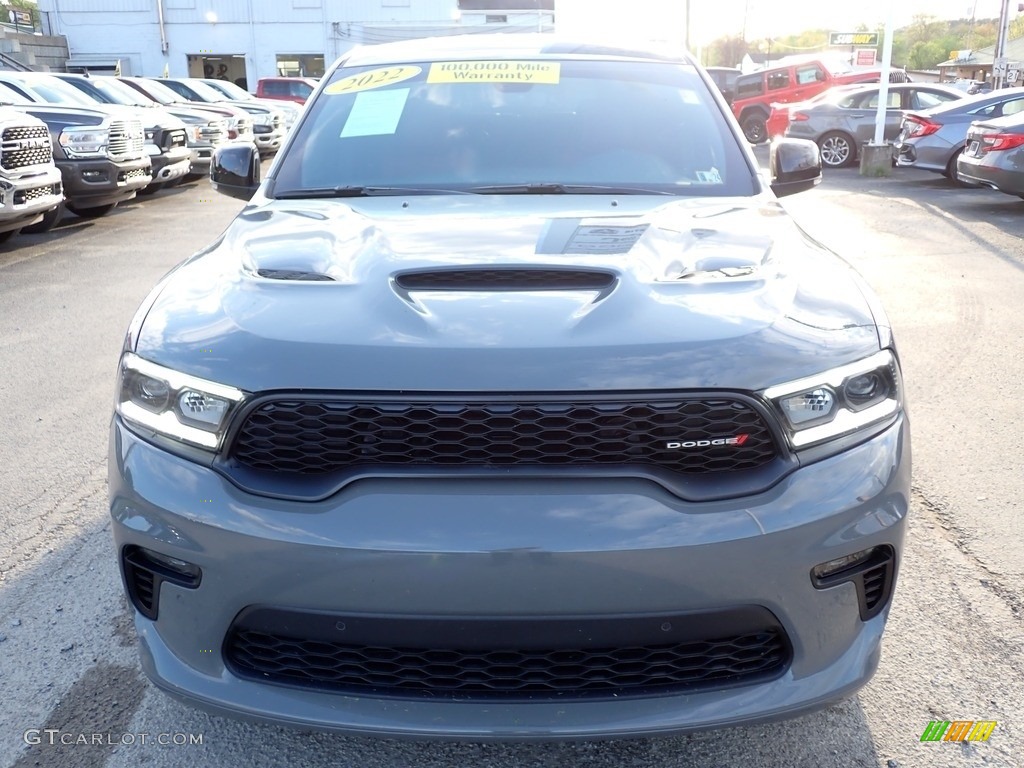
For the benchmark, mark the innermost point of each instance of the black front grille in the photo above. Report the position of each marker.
(25, 145)
(175, 138)
(23, 196)
(505, 279)
(320, 435)
(645, 664)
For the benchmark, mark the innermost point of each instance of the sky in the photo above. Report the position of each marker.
(711, 19)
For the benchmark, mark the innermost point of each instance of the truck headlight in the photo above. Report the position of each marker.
(174, 404)
(84, 142)
(840, 401)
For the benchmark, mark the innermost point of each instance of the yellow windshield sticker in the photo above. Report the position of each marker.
(375, 78)
(495, 72)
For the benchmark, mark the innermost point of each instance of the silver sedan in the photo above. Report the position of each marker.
(839, 124)
(933, 139)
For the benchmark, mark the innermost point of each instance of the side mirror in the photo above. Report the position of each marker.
(795, 166)
(235, 170)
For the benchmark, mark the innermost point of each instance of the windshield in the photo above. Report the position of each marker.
(204, 91)
(160, 92)
(10, 96)
(53, 91)
(117, 92)
(470, 126)
(230, 90)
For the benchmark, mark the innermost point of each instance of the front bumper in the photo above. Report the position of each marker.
(171, 165)
(269, 142)
(457, 548)
(92, 183)
(23, 200)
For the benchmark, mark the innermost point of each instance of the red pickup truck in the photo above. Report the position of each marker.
(295, 89)
(784, 84)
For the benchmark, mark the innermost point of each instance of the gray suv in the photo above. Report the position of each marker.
(512, 406)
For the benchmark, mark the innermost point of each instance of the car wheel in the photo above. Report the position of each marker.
(45, 224)
(91, 213)
(837, 150)
(152, 188)
(953, 174)
(754, 128)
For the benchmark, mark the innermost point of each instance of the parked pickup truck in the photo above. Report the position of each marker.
(785, 83)
(30, 184)
(296, 89)
(102, 159)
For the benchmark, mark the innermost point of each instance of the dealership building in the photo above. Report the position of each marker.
(243, 40)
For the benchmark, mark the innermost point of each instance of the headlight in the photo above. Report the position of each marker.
(194, 133)
(84, 142)
(261, 119)
(840, 401)
(174, 404)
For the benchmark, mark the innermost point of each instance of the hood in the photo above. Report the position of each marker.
(660, 293)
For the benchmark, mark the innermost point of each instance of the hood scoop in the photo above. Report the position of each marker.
(512, 279)
(293, 274)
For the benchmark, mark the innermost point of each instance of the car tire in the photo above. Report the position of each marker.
(45, 224)
(837, 149)
(94, 212)
(755, 128)
(953, 175)
(152, 188)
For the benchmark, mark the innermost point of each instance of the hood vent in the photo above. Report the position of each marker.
(506, 280)
(293, 274)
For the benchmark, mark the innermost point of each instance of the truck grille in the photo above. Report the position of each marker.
(174, 138)
(28, 195)
(691, 435)
(214, 133)
(25, 145)
(539, 658)
(126, 139)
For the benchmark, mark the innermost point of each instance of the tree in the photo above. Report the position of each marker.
(20, 5)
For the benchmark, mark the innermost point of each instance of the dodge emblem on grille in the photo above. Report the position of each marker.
(737, 440)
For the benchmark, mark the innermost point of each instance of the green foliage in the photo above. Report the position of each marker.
(923, 44)
(20, 5)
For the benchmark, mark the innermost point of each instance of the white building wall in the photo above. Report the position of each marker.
(258, 30)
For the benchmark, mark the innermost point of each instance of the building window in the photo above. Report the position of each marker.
(300, 65)
(496, 18)
(394, 3)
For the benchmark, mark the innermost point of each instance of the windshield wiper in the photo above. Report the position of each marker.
(310, 194)
(552, 188)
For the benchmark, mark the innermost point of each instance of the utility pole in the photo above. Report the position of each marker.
(687, 24)
(999, 60)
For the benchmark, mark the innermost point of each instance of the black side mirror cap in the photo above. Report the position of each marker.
(235, 170)
(795, 166)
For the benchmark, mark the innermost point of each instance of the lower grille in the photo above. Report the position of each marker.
(650, 662)
(691, 435)
(23, 196)
(125, 176)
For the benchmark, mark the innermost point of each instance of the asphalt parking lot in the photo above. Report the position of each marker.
(948, 264)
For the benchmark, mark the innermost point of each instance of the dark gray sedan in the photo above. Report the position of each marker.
(934, 138)
(841, 123)
(994, 155)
